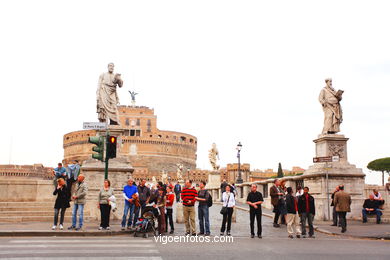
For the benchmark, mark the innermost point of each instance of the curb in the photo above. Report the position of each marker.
(324, 231)
(28, 233)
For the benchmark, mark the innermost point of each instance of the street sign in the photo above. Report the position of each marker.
(94, 125)
(322, 159)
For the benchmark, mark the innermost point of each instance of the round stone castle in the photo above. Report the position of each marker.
(139, 141)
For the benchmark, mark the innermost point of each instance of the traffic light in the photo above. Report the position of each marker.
(111, 147)
(99, 148)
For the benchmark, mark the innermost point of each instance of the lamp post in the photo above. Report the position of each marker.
(239, 178)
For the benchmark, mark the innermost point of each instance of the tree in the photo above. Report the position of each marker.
(280, 171)
(380, 165)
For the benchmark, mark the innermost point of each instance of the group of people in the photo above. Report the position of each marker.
(294, 210)
(299, 209)
(291, 209)
(64, 180)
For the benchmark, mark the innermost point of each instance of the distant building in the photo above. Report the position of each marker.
(37, 171)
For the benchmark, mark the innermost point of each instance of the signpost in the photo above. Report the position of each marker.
(322, 159)
(94, 126)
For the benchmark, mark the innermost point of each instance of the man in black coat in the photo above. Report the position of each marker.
(254, 200)
(307, 210)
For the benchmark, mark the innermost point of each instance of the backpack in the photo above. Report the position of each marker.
(210, 201)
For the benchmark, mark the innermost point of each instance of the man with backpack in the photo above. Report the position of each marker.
(205, 201)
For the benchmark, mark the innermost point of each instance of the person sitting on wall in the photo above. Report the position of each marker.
(370, 207)
(378, 198)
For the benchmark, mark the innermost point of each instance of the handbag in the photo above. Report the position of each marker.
(224, 208)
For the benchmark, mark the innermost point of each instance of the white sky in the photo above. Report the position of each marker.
(224, 71)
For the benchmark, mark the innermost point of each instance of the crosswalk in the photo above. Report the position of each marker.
(79, 248)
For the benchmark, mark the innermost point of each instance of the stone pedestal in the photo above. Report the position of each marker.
(179, 207)
(119, 171)
(338, 172)
(214, 180)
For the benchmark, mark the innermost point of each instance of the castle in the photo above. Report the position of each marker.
(151, 151)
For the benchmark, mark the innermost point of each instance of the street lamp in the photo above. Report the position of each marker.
(239, 178)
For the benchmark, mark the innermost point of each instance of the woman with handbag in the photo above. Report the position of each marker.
(104, 205)
(228, 203)
(62, 202)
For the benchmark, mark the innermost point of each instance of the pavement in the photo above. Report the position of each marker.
(356, 229)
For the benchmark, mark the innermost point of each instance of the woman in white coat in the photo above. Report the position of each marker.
(229, 202)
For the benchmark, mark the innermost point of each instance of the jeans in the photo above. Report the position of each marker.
(252, 215)
(105, 215)
(161, 220)
(203, 216)
(169, 217)
(343, 220)
(56, 212)
(177, 197)
(80, 209)
(309, 218)
(137, 211)
(377, 212)
(128, 207)
(334, 215)
(227, 218)
(277, 214)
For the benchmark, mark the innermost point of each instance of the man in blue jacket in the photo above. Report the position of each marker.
(128, 191)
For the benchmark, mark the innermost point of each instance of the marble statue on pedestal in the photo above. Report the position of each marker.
(164, 177)
(213, 157)
(107, 96)
(179, 174)
(330, 101)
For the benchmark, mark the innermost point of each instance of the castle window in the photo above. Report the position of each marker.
(183, 138)
(132, 132)
(137, 132)
(149, 124)
(127, 121)
(138, 122)
(159, 136)
(191, 140)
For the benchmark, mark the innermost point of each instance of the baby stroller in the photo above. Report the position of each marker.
(146, 223)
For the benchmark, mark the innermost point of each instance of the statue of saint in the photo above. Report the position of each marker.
(179, 171)
(132, 93)
(107, 97)
(164, 177)
(330, 101)
(213, 157)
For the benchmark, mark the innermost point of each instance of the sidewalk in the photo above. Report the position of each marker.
(355, 229)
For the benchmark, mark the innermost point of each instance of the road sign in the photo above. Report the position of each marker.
(335, 158)
(94, 125)
(322, 159)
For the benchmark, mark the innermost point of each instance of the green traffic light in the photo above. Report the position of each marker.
(99, 148)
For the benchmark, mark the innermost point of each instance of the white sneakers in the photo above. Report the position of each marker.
(54, 227)
(100, 228)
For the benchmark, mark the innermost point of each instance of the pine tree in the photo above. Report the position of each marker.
(280, 171)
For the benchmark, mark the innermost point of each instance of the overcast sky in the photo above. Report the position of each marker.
(224, 71)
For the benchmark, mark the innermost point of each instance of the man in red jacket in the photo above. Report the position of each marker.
(168, 206)
(188, 196)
